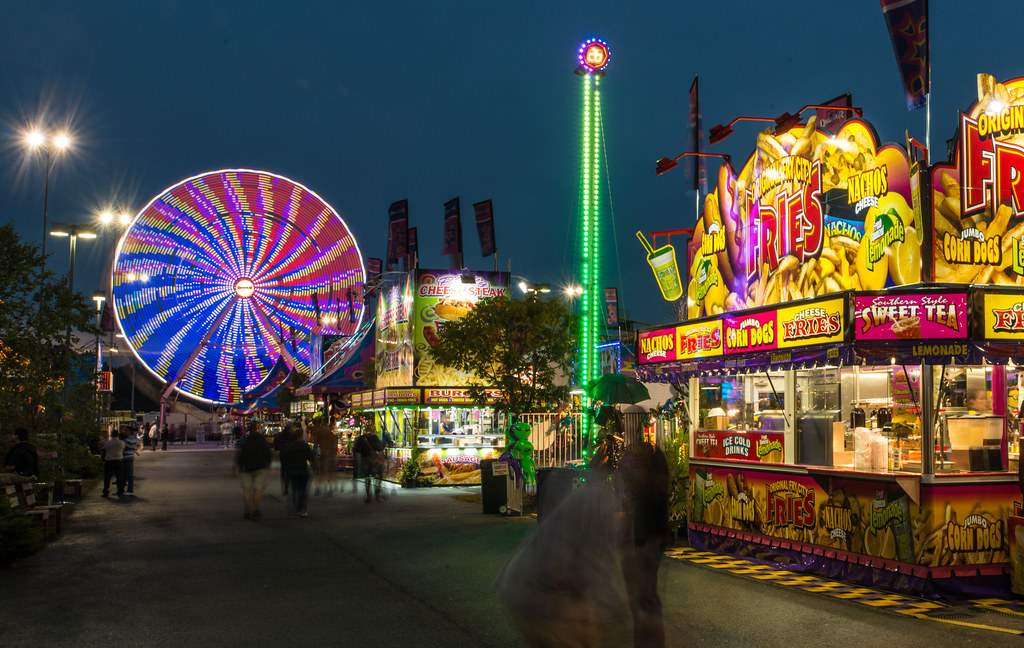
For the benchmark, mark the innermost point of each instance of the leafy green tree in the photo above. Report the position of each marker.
(45, 385)
(520, 346)
(286, 396)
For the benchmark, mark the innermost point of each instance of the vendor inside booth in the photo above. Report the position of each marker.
(852, 360)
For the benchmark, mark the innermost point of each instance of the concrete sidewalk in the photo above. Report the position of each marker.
(177, 565)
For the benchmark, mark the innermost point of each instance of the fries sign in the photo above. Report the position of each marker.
(811, 213)
(977, 200)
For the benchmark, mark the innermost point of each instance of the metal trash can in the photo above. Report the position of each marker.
(553, 486)
(493, 487)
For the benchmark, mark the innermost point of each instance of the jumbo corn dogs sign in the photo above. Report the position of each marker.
(978, 200)
(811, 213)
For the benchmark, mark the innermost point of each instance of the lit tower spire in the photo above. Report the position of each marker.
(593, 58)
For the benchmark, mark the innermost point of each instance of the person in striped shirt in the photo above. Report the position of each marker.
(131, 446)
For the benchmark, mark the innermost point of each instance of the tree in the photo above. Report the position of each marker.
(516, 345)
(45, 385)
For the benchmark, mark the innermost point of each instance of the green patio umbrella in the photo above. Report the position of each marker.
(618, 388)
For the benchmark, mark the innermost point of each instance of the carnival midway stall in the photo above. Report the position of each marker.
(857, 322)
(425, 409)
(337, 365)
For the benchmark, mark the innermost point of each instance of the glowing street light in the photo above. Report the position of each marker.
(50, 145)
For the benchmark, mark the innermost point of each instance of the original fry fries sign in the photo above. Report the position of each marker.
(811, 213)
(978, 201)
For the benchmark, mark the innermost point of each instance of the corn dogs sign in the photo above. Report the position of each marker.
(811, 213)
(978, 203)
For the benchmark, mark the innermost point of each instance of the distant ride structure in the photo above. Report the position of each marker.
(225, 273)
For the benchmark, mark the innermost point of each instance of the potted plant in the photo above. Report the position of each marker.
(409, 475)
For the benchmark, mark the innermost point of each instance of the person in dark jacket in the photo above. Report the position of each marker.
(253, 461)
(296, 457)
(22, 460)
(645, 479)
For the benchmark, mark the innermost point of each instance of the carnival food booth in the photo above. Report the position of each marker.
(851, 356)
(423, 409)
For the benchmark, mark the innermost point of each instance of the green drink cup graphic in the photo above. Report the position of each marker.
(666, 271)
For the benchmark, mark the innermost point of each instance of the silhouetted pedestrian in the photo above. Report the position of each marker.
(644, 475)
(253, 461)
(113, 452)
(296, 458)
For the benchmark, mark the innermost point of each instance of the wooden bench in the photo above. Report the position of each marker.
(22, 498)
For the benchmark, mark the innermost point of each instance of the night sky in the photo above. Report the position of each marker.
(369, 103)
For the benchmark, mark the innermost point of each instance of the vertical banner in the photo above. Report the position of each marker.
(830, 119)
(398, 232)
(413, 249)
(374, 267)
(107, 322)
(485, 227)
(694, 164)
(611, 307)
(452, 234)
(907, 21)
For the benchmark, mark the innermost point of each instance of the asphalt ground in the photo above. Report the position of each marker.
(177, 565)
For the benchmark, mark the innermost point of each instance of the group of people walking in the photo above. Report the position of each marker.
(313, 446)
(118, 454)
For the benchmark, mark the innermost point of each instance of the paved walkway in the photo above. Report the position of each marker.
(178, 566)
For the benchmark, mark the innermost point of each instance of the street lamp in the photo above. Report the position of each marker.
(73, 232)
(783, 122)
(50, 144)
(99, 297)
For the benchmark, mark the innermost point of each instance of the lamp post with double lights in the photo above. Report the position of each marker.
(51, 145)
(73, 232)
(783, 122)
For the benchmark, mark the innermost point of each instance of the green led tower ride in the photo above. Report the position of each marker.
(593, 59)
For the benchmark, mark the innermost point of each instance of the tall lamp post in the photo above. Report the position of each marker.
(51, 145)
(99, 297)
(73, 232)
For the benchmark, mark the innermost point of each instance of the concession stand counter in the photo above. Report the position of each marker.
(852, 353)
(424, 410)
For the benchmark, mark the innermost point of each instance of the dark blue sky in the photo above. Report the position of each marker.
(368, 103)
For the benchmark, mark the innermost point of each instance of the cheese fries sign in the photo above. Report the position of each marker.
(978, 198)
(811, 213)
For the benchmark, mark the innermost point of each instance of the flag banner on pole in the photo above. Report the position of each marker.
(398, 231)
(107, 322)
(611, 306)
(374, 266)
(829, 119)
(695, 165)
(413, 246)
(450, 239)
(908, 28)
(485, 227)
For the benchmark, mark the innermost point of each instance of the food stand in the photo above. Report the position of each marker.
(422, 408)
(852, 356)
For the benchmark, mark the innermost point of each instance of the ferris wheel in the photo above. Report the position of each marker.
(226, 272)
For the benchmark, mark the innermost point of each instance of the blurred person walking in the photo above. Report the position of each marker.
(296, 458)
(112, 452)
(369, 452)
(253, 461)
(131, 448)
(644, 477)
(322, 434)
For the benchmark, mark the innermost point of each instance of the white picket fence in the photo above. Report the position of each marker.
(557, 446)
